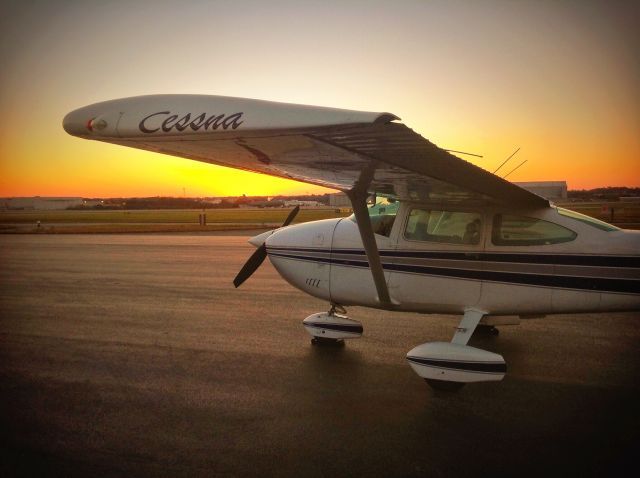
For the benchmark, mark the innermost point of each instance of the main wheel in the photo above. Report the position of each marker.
(444, 385)
(482, 329)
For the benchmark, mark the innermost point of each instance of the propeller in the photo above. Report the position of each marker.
(260, 254)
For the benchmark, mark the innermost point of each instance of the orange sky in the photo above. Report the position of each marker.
(557, 79)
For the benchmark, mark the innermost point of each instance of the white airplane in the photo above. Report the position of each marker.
(446, 237)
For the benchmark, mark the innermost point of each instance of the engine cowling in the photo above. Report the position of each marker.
(450, 362)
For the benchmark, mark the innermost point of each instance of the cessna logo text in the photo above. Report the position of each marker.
(168, 121)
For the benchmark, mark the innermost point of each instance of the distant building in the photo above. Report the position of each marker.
(40, 203)
(546, 189)
(339, 200)
(296, 202)
(274, 203)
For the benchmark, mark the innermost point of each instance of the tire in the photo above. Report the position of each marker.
(324, 342)
(444, 385)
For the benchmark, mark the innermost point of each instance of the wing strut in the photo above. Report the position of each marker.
(358, 196)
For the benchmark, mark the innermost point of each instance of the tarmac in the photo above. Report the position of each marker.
(133, 355)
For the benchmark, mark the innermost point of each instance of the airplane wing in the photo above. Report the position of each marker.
(323, 146)
(356, 152)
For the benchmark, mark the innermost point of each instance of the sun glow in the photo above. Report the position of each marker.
(559, 82)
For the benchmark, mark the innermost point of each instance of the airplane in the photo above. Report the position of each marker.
(442, 237)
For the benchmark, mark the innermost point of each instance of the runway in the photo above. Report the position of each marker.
(133, 355)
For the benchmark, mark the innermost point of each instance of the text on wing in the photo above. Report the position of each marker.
(167, 121)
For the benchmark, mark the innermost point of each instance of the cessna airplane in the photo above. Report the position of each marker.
(445, 236)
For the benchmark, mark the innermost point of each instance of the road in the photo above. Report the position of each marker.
(133, 355)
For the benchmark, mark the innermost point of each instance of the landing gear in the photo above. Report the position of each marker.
(486, 330)
(325, 342)
(332, 328)
(444, 385)
(337, 309)
(449, 365)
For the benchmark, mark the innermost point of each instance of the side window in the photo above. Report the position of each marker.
(511, 230)
(603, 226)
(382, 215)
(449, 227)
(382, 224)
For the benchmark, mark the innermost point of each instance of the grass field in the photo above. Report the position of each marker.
(165, 220)
(128, 228)
(626, 215)
(174, 216)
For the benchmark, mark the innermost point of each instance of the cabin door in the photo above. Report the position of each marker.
(437, 262)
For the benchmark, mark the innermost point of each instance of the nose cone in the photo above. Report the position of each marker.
(258, 240)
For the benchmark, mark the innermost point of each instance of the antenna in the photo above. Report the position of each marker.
(505, 177)
(506, 160)
(462, 152)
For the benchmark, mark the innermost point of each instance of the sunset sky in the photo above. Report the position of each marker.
(560, 80)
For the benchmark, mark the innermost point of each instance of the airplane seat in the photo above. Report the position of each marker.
(375, 222)
(386, 224)
(382, 224)
(472, 233)
(420, 233)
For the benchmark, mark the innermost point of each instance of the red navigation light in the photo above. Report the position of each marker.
(90, 124)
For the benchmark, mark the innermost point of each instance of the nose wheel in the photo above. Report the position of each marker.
(332, 328)
(326, 342)
(444, 385)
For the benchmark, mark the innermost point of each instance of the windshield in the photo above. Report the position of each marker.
(382, 215)
(603, 226)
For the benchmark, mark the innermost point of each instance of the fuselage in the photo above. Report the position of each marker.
(443, 259)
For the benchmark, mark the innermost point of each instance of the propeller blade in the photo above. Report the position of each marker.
(259, 255)
(291, 216)
(257, 258)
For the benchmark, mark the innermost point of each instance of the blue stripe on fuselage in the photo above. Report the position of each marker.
(596, 284)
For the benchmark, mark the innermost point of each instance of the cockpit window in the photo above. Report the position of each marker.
(451, 227)
(603, 226)
(511, 230)
(382, 215)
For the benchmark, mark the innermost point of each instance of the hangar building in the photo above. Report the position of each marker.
(39, 203)
(546, 189)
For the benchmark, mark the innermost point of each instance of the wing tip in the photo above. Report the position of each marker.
(384, 118)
